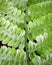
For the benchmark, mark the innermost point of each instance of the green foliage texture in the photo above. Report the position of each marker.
(12, 33)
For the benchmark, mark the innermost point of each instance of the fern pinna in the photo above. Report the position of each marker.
(37, 16)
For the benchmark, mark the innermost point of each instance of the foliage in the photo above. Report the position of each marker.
(38, 16)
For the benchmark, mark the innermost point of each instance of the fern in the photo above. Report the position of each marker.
(29, 44)
(14, 37)
(36, 1)
(10, 56)
(39, 9)
(42, 25)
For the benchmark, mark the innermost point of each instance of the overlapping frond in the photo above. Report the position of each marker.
(40, 30)
(39, 26)
(11, 34)
(40, 9)
(38, 61)
(10, 56)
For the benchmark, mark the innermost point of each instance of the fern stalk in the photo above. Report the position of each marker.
(27, 53)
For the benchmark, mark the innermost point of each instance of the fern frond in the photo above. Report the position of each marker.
(41, 30)
(39, 61)
(39, 26)
(10, 56)
(11, 34)
(15, 16)
(12, 13)
(48, 60)
(20, 4)
(44, 47)
(3, 6)
(40, 9)
(36, 1)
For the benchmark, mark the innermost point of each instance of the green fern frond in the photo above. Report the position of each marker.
(3, 6)
(21, 4)
(40, 9)
(40, 30)
(11, 34)
(44, 47)
(15, 16)
(38, 61)
(36, 1)
(39, 26)
(10, 56)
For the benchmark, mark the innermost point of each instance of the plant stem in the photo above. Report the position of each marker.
(27, 53)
